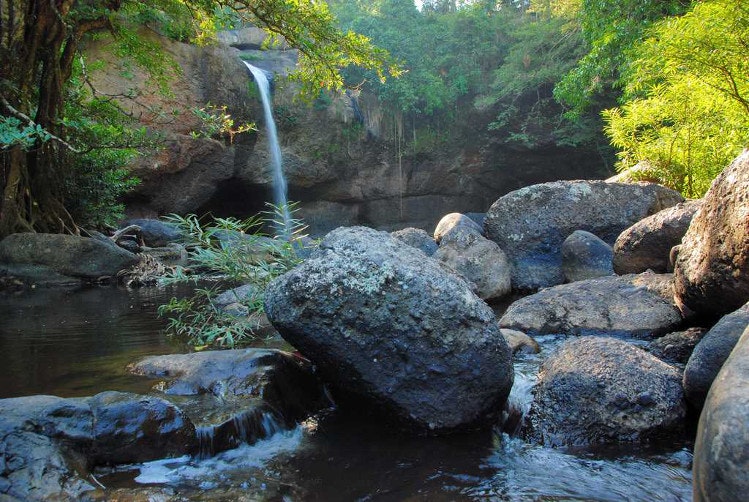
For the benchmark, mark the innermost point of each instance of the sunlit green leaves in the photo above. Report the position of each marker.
(687, 108)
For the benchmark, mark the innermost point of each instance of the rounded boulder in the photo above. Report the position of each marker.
(597, 390)
(390, 329)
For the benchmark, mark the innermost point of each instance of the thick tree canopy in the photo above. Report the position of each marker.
(685, 110)
(48, 126)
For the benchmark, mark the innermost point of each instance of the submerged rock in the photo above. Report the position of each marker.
(630, 306)
(712, 268)
(585, 256)
(530, 224)
(398, 332)
(721, 450)
(647, 244)
(709, 355)
(597, 390)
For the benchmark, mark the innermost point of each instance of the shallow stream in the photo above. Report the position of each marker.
(77, 343)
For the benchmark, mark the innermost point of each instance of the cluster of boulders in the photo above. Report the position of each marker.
(397, 321)
(398, 324)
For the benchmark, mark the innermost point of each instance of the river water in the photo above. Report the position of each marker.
(77, 343)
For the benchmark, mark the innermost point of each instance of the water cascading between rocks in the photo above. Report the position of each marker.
(274, 148)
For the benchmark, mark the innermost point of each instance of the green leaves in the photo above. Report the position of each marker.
(687, 97)
(234, 252)
(13, 132)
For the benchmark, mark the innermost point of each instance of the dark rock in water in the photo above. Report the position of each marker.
(394, 330)
(68, 420)
(712, 268)
(452, 221)
(41, 438)
(15, 276)
(710, 354)
(597, 390)
(676, 347)
(530, 224)
(242, 293)
(418, 238)
(585, 256)
(237, 396)
(130, 428)
(721, 451)
(68, 255)
(477, 259)
(156, 233)
(35, 467)
(647, 244)
(629, 306)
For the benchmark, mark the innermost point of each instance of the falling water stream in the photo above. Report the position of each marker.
(279, 181)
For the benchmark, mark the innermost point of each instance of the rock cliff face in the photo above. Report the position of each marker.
(342, 156)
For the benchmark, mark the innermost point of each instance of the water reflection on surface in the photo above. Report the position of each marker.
(74, 343)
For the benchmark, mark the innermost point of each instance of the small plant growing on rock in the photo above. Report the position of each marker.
(228, 252)
(216, 123)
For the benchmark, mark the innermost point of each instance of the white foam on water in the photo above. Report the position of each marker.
(188, 469)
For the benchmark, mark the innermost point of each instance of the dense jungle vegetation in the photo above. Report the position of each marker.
(668, 82)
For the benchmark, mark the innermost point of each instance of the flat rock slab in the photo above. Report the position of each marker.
(69, 255)
(625, 306)
(234, 396)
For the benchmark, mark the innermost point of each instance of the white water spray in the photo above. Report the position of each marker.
(279, 181)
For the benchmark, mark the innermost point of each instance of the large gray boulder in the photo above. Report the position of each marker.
(647, 244)
(709, 355)
(530, 224)
(585, 256)
(477, 259)
(68, 255)
(394, 330)
(721, 451)
(712, 268)
(628, 306)
(601, 390)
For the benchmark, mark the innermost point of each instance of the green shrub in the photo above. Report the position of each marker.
(228, 252)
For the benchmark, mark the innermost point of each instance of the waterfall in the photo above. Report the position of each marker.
(279, 181)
